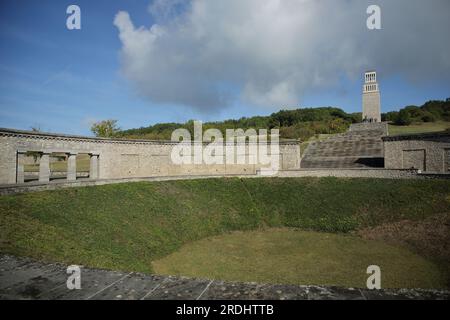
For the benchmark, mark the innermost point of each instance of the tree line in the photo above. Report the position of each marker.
(431, 111)
(299, 124)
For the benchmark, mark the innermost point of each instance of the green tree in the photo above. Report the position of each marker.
(428, 117)
(105, 128)
(391, 116)
(403, 118)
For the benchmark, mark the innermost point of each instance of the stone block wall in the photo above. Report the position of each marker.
(426, 152)
(353, 173)
(114, 158)
(362, 126)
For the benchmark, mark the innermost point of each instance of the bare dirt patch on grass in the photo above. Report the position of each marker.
(429, 237)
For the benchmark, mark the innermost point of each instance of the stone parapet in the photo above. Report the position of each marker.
(122, 158)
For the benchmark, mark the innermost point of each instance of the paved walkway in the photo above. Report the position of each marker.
(22, 278)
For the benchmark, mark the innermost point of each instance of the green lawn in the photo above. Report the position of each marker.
(128, 226)
(299, 257)
(421, 127)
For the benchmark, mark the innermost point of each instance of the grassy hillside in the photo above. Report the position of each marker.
(419, 127)
(127, 226)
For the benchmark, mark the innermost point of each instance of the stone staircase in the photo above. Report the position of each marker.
(356, 148)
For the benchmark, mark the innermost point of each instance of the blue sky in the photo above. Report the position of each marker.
(61, 80)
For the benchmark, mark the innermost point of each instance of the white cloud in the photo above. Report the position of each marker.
(270, 52)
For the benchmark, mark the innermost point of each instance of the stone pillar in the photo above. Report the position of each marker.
(71, 167)
(20, 173)
(44, 167)
(93, 167)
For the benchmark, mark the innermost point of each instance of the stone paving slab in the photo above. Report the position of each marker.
(93, 282)
(179, 288)
(221, 290)
(405, 294)
(333, 293)
(133, 287)
(23, 278)
(29, 278)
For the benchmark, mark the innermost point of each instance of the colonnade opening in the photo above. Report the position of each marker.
(48, 166)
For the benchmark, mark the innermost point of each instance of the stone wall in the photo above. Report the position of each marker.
(362, 126)
(354, 173)
(427, 152)
(339, 173)
(114, 158)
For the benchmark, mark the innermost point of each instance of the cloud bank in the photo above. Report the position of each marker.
(268, 53)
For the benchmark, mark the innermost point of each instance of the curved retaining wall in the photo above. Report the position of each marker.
(114, 158)
(341, 173)
(358, 173)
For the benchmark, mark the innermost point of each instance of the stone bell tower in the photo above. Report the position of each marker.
(371, 98)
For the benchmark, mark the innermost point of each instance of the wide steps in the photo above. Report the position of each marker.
(341, 162)
(353, 149)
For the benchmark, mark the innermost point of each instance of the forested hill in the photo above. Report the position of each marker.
(293, 124)
(301, 123)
